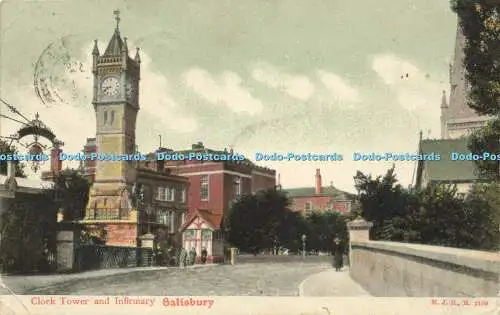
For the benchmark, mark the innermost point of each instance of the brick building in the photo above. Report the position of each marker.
(126, 200)
(319, 198)
(214, 184)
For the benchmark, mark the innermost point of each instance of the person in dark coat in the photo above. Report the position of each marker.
(338, 254)
(204, 254)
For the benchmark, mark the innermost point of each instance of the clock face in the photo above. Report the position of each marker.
(110, 87)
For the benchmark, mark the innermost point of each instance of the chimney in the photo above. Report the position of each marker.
(55, 162)
(11, 169)
(318, 188)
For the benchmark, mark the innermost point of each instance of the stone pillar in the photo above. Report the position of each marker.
(11, 169)
(67, 242)
(233, 255)
(359, 231)
(147, 242)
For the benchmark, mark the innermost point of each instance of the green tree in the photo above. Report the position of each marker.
(5, 148)
(388, 205)
(28, 227)
(441, 216)
(324, 227)
(254, 222)
(480, 24)
(71, 193)
(482, 218)
(487, 139)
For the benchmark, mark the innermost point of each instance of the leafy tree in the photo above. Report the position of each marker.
(28, 227)
(482, 218)
(324, 227)
(480, 23)
(387, 204)
(487, 139)
(255, 221)
(5, 148)
(441, 216)
(435, 216)
(71, 192)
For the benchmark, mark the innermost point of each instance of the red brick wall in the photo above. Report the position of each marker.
(262, 182)
(318, 202)
(222, 189)
(216, 195)
(121, 234)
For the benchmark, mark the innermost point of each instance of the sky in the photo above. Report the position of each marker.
(261, 76)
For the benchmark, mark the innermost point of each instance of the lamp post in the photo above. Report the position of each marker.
(304, 238)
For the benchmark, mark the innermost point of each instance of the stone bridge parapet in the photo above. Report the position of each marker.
(400, 269)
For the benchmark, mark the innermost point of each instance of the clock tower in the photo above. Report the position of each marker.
(116, 104)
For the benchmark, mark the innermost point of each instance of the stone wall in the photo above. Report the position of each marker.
(391, 269)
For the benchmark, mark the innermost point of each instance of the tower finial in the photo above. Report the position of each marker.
(137, 56)
(117, 18)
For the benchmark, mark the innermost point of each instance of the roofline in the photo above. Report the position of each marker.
(196, 213)
(312, 196)
(246, 161)
(461, 181)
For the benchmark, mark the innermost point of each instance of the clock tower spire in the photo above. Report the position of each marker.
(116, 104)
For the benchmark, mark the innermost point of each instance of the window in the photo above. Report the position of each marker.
(105, 117)
(308, 207)
(112, 120)
(183, 195)
(183, 218)
(165, 193)
(169, 193)
(166, 218)
(160, 193)
(237, 186)
(205, 187)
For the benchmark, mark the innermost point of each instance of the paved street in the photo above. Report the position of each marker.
(246, 278)
(331, 283)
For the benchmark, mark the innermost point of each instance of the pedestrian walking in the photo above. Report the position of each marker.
(183, 258)
(204, 255)
(338, 254)
(192, 256)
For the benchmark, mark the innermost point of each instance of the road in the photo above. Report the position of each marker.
(249, 277)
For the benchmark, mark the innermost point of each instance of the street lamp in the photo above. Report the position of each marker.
(304, 238)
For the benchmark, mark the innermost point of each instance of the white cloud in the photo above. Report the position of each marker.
(297, 86)
(340, 90)
(415, 90)
(225, 89)
(156, 100)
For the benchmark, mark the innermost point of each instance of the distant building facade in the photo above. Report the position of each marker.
(461, 174)
(206, 186)
(201, 231)
(213, 185)
(319, 198)
(457, 118)
(458, 121)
